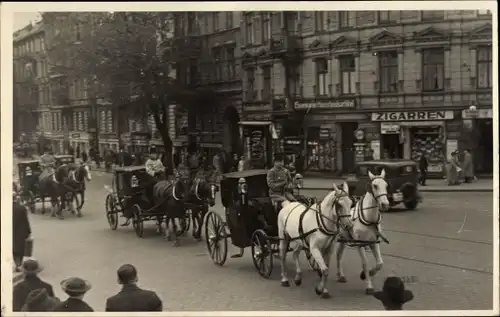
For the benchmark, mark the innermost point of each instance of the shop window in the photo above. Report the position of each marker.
(319, 151)
(266, 89)
(429, 141)
(484, 67)
(321, 74)
(433, 69)
(347, 69)
(388, 75)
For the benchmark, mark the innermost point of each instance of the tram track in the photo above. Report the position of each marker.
(438, 237)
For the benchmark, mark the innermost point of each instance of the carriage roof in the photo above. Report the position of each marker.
(30, 162)
(387, 163)
(130, 169)
(247, 173)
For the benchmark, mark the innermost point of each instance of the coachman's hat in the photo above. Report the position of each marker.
(279, 156)
(152, 150)
(394, 292)
(75, 285)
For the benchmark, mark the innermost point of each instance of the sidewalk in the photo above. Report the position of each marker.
(433, 185)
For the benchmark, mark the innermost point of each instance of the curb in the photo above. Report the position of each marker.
(429, 190)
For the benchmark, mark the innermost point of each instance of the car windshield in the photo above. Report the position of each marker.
(375, 169)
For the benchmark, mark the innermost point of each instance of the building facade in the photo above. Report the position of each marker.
(211, 64)
(30, 78)
(332, 84)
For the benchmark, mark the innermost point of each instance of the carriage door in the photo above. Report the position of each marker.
(348, 139)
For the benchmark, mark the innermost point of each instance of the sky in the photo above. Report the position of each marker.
(21, 19)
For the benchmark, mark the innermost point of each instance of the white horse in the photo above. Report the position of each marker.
(366, 226)
(314, 228)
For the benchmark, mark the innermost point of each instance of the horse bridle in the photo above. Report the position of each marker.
(361, 208)
(336, 205)
(198, 181)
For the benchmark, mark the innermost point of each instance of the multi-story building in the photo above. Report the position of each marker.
(30, 78)
(211, 65)
(333, 83)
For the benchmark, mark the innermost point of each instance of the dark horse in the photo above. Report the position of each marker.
(76, 181)
(168, 196)
(55, 186)
(201, 195)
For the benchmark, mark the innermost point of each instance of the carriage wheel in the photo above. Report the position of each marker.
(216, 238)
(312, 262)
(137, 220)
(111, 212)
(262, 254)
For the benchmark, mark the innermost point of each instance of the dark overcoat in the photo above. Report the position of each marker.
(133, 298)
(73, 305)
(21, 228)
(22, 289)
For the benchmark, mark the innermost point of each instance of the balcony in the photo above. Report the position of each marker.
(286, 46)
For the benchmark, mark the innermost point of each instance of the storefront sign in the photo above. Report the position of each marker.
(477, 114)
(293, 142)
(325, 105)
(389, 128)
(324, 133)
(412, 115)
(75, 135)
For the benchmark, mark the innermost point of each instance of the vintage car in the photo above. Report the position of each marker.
(401, 175)
(64, 159)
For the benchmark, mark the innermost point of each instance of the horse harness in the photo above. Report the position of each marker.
(321, 223)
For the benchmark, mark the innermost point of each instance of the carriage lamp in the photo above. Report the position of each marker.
(134, 182)
(242, 186)
(299, 181)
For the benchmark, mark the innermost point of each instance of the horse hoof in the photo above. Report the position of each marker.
(318, 292)
(362, 275)
(298, 282)
(326, 295)
(79, 215)
(285, 283)
(369, 291)
(341, 279)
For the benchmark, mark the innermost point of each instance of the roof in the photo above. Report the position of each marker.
(28, 162)
(130, 168)
(27, 31)
(388, 162)
(246, 173)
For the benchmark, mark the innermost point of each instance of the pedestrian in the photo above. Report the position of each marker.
(75, 288)
(299, 163)
(468, 167)
(30, 282)
(369, 154)
(453, 170)
(217, 164)
(423, 165)
(78, 152)
(84, 156)
(242, 164)
(39, 300)
(21, 232)
(234, 162)
(393, 295)
(131, 297)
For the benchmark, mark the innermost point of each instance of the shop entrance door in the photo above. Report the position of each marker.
(391, 147)
(348, 139)
(484, 160)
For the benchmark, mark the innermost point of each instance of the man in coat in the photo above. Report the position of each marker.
(76, 288)
(31, 282)
(423, 165)
(21, 231)
(132, 297)
(468, 168)
(279, 181)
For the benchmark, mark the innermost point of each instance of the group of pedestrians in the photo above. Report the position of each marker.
(34, 295)
(456, 170)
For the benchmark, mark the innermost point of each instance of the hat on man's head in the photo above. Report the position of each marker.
(39, 300)
(394, 291)
(152, 150)
(280, 156)
(47, 148)
(31, 267)
(75, 285)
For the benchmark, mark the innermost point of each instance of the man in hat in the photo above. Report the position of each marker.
(154, 166)
(279, 181)
(31, 282)
(39, 300)
(131, 297)
(47, 162)
(393, 294)
(76, 288)
(21, 231)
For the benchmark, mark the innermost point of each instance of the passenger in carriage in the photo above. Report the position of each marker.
(155, 168)
(47, 162)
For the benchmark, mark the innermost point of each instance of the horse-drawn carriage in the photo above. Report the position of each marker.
(28, 172)
(136, 194)
(250, 219)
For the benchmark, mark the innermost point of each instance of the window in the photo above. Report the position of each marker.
(231, 62)
(365, 17)
(193, 72)
(249, 29)
(388, 71)
(216, 53)
(78, 32)
(229, 20)
(433, 69)
(321, 74)
(344, 19)
(347, 80)
(321, 19)
(483, 12)
(388, 16)
(294, 81)
(216, 21)
(191, 27)
(292, 22)
(266, 27)
(432, 15)
(42, 44)
(484, 67)
(266, 85)
(250, 89)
